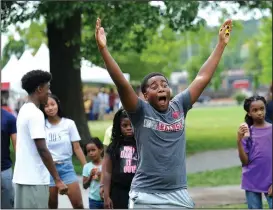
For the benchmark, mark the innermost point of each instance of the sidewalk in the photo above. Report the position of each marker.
(215, 196)
(212, 160)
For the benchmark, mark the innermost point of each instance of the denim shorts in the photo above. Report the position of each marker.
(66, 172)
(95, 204)
(255, 201)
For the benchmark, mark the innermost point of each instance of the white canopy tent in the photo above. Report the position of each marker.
(9, 66)
(41, 58)
(8, 72)
(89, 72)
(11, 74)
(14, 69)
(95, 74)
(24, 65)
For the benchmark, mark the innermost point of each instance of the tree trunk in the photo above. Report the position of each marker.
(64, 47)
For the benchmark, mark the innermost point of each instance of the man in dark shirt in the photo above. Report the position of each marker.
(8, 131)
(269, 111)
(269, 107)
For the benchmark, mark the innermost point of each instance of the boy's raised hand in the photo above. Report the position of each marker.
(100, 35)
(126, 92)
(224, 32)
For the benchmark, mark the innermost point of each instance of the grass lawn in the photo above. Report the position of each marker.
(239, 206)
(212, 128)
(206, 128)
(229, 176)
(98, 128)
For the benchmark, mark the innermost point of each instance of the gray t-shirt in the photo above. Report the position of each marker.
(161, 146)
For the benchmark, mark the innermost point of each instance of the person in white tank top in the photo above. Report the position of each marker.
(62, 138)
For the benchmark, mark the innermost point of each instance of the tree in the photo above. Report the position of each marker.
(252, 62)
(64, 41)
(34, 35)
(249, 5)
(13, 47)
(131, 62)
(163, 52)
(265, 54)
(193, 66)
(206, 38)
(258, 61)
(231, 57)
(204, 41)
(65, 24)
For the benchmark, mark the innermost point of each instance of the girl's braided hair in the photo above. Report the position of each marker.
(248, 119)
(117, 136)
(247, 104)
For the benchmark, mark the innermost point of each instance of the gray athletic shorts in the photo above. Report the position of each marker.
(31, 196)
(177, 199)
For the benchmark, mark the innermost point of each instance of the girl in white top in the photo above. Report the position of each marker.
(62, 138)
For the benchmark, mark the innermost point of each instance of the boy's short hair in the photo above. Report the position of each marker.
(33, 79)
(144, 82)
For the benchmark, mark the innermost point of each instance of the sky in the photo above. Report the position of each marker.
(211, 16)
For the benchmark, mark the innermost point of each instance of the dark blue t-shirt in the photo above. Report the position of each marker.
(8, 127)
(269, 111)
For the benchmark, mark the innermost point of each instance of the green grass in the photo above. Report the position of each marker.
(206, 128)
(239, 206)
(229, 176)
(212, 128)
(98, 128)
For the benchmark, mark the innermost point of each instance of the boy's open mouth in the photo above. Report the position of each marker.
(162, 99)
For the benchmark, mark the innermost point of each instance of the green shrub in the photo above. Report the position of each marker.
(239, 97)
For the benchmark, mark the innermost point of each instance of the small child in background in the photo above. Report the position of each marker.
(119, 164)
(92, 172)
(255, 151)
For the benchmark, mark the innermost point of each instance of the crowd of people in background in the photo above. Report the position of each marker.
(97, 105)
